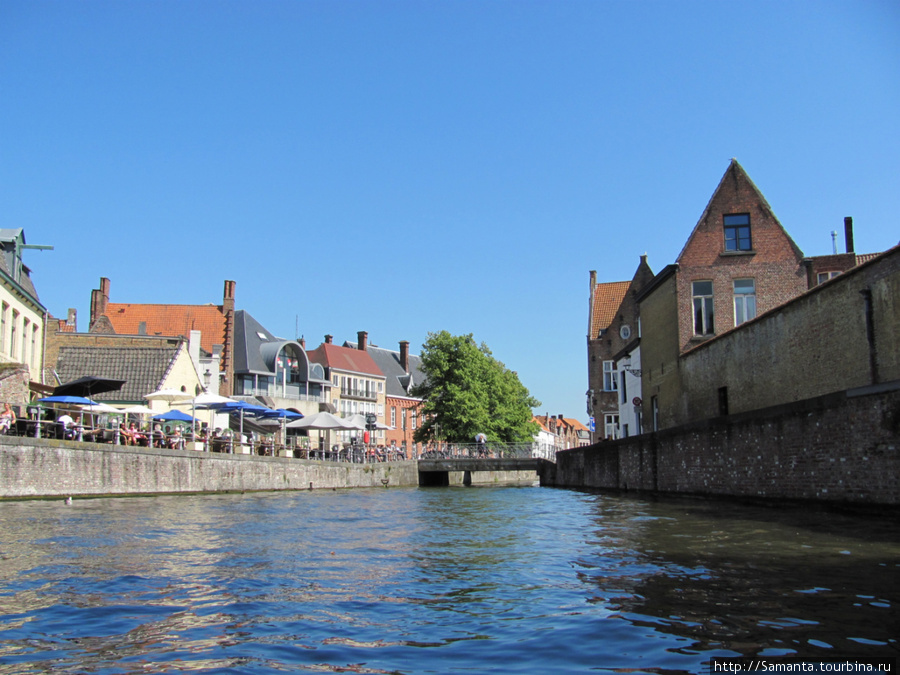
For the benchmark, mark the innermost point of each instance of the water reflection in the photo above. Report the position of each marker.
(438, 580)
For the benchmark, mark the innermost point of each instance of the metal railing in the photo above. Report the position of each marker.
(479, 451)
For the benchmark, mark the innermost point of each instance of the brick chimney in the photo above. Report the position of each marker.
(99, 299)
(226, 364)
(404, 355)
(362, 340)
(302, 342)
(329, 339)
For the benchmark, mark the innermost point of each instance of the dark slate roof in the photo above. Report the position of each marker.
(8, 238)
(397, 381)
(142, 368)
(247, 341)
(255, 349)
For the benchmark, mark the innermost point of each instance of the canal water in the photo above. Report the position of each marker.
(436, 580)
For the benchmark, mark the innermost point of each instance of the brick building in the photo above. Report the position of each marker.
(613, 326)
(737, 263)
(215, 323)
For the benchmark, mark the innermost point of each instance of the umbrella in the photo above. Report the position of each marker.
(174, 416)
(88, 386)
(168, 395)
(283, 415)
(69, 400)
(204, 401)
(242, 407)
(359, 422)
(321, 420)
(138, 410)
(96, 406)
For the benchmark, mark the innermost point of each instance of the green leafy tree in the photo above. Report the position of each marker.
(468, 391)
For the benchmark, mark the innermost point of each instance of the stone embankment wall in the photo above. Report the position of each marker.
(840, 448)
(46, 468)
(38, 468)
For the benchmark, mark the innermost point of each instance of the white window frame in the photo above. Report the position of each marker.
(610, 378)
(703, 309)
(744, 302)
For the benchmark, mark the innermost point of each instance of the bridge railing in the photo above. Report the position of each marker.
(483, 451)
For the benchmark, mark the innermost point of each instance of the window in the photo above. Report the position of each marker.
(744, 300)
(12, 334)
(822, 277)
(34, 342)
(611, 426)
(623, 388)
(394, 416)
(737, 232)
(26, 324)
(703, 308)
(609, 376)
(403, 419)
(3, 318)
(414, 415)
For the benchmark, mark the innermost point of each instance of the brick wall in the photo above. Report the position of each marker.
(841, 448)
(816, 344)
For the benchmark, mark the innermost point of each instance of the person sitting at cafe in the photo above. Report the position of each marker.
(7, 417)
(175, 439)
(68, 425)
(158, 436)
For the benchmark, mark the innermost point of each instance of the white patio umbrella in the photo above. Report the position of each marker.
(359, 422)
(321, 420)
(139, 410)
(168, 395)
(204, 401)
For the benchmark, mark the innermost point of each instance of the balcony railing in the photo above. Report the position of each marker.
(362, 394)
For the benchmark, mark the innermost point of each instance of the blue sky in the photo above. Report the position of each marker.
(410, 167)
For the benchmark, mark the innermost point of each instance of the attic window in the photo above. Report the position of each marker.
(737, 232)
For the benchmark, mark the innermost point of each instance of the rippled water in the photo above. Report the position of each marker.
(478, 580)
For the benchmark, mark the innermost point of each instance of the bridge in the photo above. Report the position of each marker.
(505, 463)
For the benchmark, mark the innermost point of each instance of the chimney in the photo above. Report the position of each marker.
(404, 355)
(72, 318)
(226, 364)
(848, 233)
(328, 339)
(362, 340)
(302, 342)
(99, 299)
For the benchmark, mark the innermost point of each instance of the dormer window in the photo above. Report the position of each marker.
(737, 232)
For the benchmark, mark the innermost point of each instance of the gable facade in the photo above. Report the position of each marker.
(738, 263)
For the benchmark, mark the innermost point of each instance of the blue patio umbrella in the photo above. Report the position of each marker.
(283, 415)
(70, 400)
(174, 416)
(243, 407)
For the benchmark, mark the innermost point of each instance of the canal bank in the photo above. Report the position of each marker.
(39, 468)
(843, 448)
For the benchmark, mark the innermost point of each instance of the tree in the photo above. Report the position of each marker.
(467, 391)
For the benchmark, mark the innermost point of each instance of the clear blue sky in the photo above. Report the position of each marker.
(407, 167)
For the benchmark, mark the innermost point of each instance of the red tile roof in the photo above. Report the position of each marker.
(169, 320)
(607, 298)
(345, 359)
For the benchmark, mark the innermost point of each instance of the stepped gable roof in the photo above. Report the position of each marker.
(172, 320)
(607, 299)
(344, 359)
(735, 177)
(397, 381)
(142, 368)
